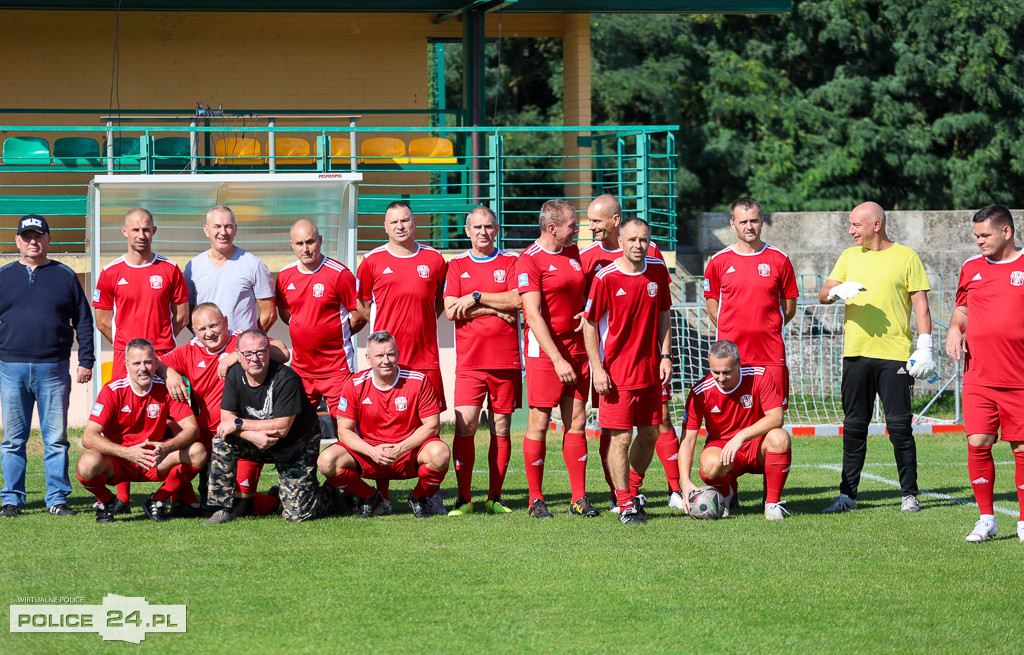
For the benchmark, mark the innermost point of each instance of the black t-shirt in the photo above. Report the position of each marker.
(281, 394)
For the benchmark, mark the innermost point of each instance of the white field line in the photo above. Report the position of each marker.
(923, 492)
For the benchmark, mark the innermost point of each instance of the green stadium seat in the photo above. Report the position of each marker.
(76, 151)
(26, 151)
(172, 153)
(127, 153)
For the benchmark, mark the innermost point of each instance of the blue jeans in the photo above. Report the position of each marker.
(23, 384)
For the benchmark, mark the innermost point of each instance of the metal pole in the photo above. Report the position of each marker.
(193, 147)
(271, 146)
(352, 144)
(97, 337)
(110, 147)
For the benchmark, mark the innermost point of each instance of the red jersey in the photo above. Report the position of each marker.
(558, 276)
(750, 290)
(320, 303)
(484, 342)
(141, 299)
(387, 415)
(128, 418)
(403, 291)
(725, 414)
(595, 257)
(994, 295)
(625, 307)
(195, 361)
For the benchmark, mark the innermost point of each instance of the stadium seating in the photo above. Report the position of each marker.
(341, 151)
(127, 152)
(26, 151)
(292, 152)
(171, 153)
(382, 150)
(76, 151)
(238, 151)
(432, 150)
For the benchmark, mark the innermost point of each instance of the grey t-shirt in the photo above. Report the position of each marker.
(234, 287)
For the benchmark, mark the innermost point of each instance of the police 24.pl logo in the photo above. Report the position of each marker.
(119, 618)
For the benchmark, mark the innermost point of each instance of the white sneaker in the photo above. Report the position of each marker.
(985, 528)
(841, 503)
(1020, 530)
(910, 504)
(675, 500)
(728, 504)
(775, 511)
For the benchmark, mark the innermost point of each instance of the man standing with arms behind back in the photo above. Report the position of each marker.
(42, 307)
(879, 280)
(990, 297)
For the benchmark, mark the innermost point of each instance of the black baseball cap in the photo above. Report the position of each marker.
(33, 223)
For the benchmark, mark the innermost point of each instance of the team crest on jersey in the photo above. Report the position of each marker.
(423, 271)
(152, 410)
(156, 281)
(1017, 278)
(499, 276)
(318, 290)
(401, 404)
(747, 401)
(652, 289)
(764, 270)
(575, 264)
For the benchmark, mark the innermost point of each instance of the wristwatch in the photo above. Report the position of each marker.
(238, 424)
(476, 297)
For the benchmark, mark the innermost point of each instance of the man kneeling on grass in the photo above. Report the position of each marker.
(123, 440)
(388, 426)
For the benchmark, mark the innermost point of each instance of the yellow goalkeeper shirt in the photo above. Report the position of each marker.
(878, 319)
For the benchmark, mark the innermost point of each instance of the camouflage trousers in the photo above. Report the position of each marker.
(297, 474)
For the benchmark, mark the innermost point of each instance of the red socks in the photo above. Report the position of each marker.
(264, 504)
(635, 482)
(497, 460)
(430, 481)
(1018, 480)
(349, 480)
(180, 475)
(464, 453)
(247, 476)
(574, 452)
(98, 487)
(605, 445)
(667, 447)
(623, 499)
(533, 458)
(776, 470)
(124, 491)
(981, 469)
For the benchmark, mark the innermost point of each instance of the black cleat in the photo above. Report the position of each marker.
(582, 507)
(638, 504)
(632, 516)
(155, 510)
(121, 507)
(61, 509)
(104, 514)
(421, 507)
(183, 510)
(370, 507)
(539, 510)
(9, 511)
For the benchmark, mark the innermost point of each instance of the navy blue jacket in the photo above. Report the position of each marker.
(40, 311)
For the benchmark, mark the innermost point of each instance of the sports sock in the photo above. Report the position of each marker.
(464, 453)
(533, 457)
(98, 487)
(349, 480)
(605, 444)
(180, 475)
(247, 476)
(186, 494)
(124, 491)
(623, 499)
(429, 483)
(384, 487)
(498, 456)
(635, 482)
(722, 484)
(981, 469)
(776, 470)
(667, 447)
(264, 504)
(1018, 480)
(574, 452)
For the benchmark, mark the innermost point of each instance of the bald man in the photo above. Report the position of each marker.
(880, 281)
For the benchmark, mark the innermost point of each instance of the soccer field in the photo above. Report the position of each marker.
(867, 581)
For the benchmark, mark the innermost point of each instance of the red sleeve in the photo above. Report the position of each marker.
(597, 303)
(665, 299)
(528, 277)
(279, 298)
(452, 285)
(788, 280)
(654, 251)
(767, 393)
(510, 274)
(439, 277)
(179, 290)
(347, 406)
(428, 405)
(104, 407)
(347, 290)
(103, 295)
(177, 409)
(712, 287)
(694, 412)
(176, 359)
(364, 274)
(961, 288)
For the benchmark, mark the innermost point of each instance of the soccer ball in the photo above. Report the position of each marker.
(706, 503)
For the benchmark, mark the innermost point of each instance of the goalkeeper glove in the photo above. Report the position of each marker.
(921, 363)
(845, 290)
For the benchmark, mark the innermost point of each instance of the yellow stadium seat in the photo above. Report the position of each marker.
(341, 150)
(239, 151)
(432, 150)
(383, 150)
(292, 151)
(108, 371)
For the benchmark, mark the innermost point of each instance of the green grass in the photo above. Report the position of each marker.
(867, 581)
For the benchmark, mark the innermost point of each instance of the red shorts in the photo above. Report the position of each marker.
(746, 457)
(544, 389)
(326, 388)
(125, 471)
(666, 394)
(503, 386)
(433, 376)
(403, 469)
(621, 409)
(989, 410)
(118, 369)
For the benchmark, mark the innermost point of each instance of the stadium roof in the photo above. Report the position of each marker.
(445, 7)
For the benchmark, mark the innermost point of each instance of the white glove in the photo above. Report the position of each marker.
(845, 290)
(921, 363)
